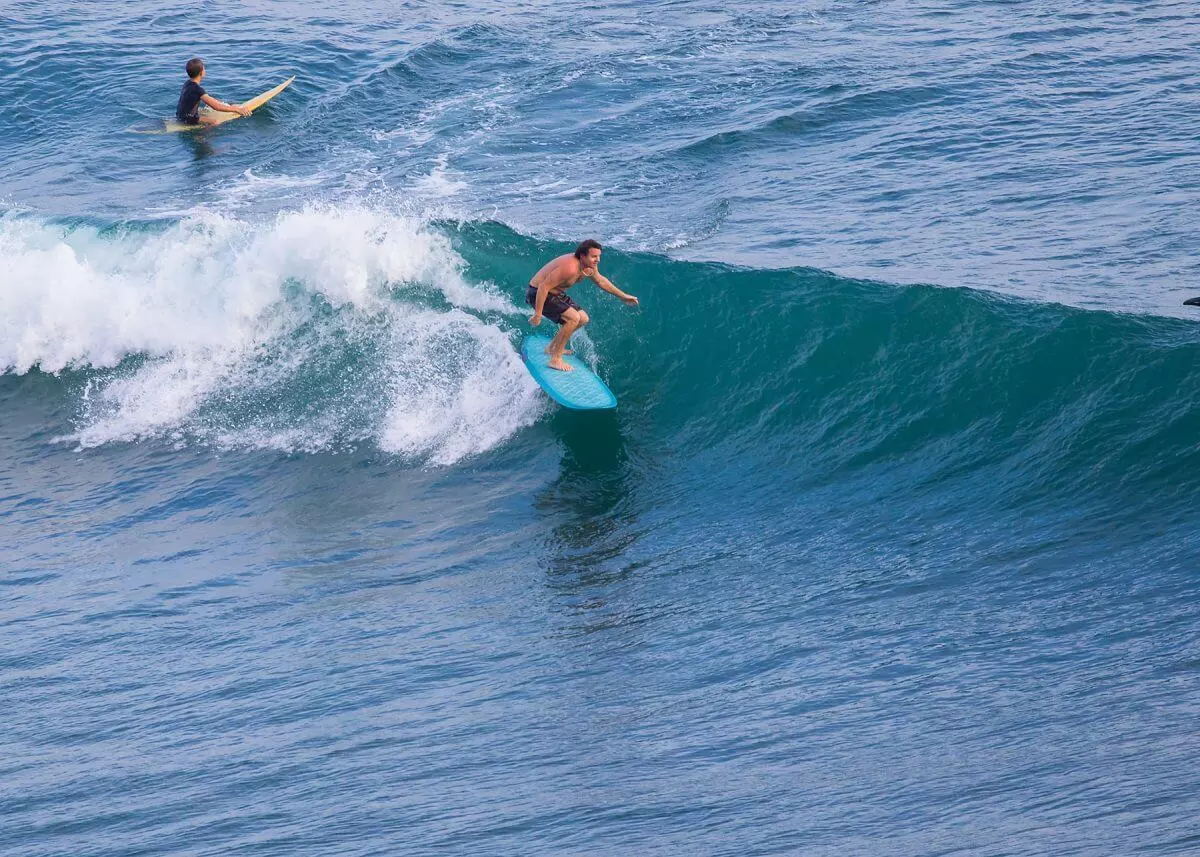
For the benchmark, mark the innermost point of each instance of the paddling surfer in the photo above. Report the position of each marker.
(192, 95)
(547, 295)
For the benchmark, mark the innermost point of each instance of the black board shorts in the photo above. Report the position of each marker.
(556, 304)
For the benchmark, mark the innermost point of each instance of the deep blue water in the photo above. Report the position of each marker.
(892, 546)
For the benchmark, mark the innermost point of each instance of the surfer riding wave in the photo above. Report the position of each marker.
(547, 295)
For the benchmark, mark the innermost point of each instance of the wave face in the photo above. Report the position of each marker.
(328, 327)
(816, 378)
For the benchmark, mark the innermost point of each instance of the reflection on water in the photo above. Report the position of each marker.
(199, 144)
(595, 479)
(588, 553)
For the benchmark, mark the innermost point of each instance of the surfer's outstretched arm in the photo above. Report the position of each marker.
(606, 284)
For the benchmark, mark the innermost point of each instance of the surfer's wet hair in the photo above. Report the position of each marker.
(585, 246)
(194, 66)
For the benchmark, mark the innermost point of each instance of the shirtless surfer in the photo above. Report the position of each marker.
(547, 295)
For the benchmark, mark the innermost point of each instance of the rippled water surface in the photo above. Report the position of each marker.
(890, 547)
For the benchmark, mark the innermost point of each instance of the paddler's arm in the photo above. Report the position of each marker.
(606, 284)
(217, 104)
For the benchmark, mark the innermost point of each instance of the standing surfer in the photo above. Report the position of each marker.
(547, 295)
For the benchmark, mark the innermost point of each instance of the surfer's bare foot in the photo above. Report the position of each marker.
(557, 363)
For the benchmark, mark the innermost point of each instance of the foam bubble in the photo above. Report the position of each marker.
(440, 182)
(481, 396)
(315, 330)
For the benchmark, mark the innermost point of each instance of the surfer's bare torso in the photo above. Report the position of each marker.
(547, 294)
(561, 273)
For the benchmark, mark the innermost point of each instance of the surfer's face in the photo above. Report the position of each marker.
(592, 259)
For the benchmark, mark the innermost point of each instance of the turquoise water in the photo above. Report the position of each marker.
(890, 548)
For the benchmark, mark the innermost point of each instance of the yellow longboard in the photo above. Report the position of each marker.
(216, 117)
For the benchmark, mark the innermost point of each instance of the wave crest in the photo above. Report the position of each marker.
(320, 329)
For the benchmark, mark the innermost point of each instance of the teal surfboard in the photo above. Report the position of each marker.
(581, 390)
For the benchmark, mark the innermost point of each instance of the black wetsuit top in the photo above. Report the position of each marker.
(188, 109)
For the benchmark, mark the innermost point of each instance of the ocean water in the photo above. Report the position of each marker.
(892, 546)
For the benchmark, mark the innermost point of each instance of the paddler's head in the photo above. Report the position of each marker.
(195, 69)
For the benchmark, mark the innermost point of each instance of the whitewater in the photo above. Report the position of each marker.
(183, 329)
(889, 548)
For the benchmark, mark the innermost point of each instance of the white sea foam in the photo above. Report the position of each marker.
(315, 330)
(440, 182)
(251, 187)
